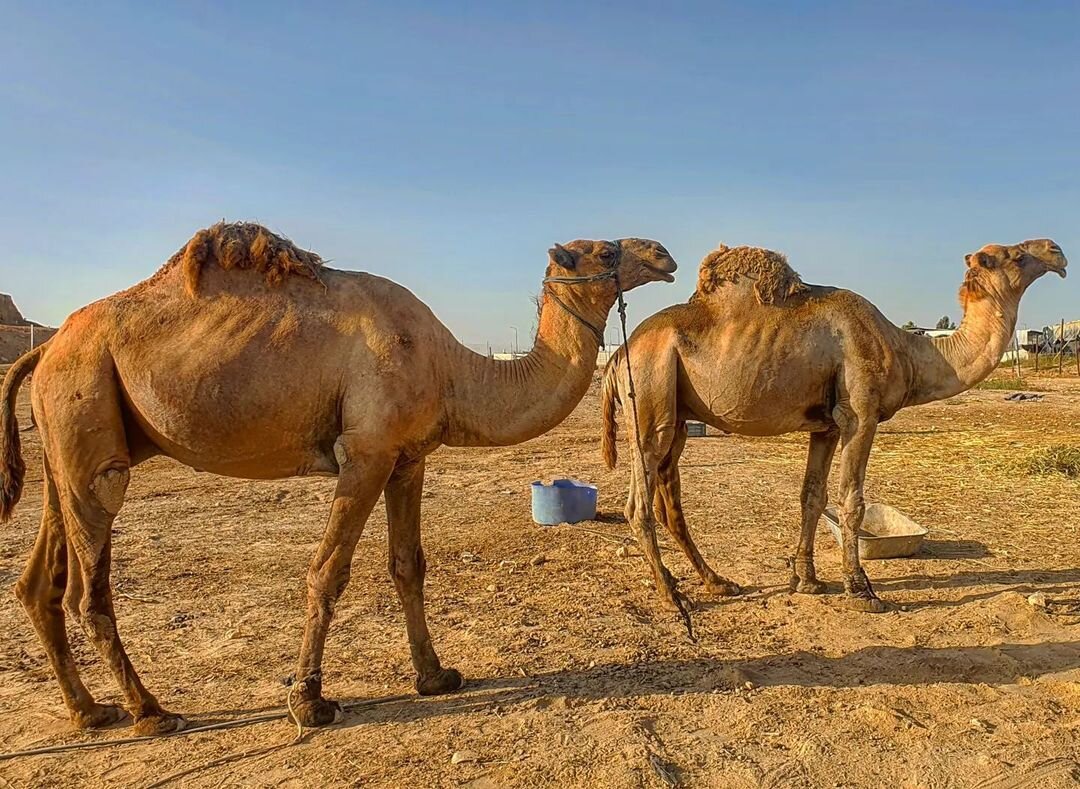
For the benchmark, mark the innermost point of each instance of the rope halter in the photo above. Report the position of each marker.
(612, 273)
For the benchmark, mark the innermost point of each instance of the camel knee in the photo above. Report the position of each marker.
(109, 487)
(407, 565)
(94, 619)
(853, 504)
(815, 495)
(325, 589)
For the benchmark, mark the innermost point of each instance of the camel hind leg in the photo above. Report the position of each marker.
(78, 406)
(670, 512)
(41, 591)
(649, 431)
(814, 498)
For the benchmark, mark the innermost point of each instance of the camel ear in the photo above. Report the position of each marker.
(561, 256)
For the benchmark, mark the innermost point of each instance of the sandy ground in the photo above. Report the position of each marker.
(576, 677)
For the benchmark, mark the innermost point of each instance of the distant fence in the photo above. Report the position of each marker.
(16, 340)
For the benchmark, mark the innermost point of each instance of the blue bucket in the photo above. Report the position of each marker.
(563, 501)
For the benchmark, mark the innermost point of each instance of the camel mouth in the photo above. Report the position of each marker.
(666, 276)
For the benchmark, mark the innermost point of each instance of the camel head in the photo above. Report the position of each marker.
(1006, 271)
(637, 260)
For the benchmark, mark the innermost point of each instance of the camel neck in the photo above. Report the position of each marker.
(496, 403)
(947, 366)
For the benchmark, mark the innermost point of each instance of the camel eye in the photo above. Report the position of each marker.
(606, 254)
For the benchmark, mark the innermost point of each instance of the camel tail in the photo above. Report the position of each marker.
(609, 396)
(12, 468)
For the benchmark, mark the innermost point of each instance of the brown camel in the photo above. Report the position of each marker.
(301, 371)
(757, 352)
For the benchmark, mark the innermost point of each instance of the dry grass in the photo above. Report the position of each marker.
(1056, 459)
(1010, 385)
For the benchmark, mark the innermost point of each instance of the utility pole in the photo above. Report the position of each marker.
(1061, 353)
(31, 336)
(515, 349)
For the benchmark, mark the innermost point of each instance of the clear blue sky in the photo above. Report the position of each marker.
(447, 145)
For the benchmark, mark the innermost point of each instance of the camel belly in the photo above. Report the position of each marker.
(249, 426)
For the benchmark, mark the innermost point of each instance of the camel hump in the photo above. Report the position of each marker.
(245, 245)
(774, 280)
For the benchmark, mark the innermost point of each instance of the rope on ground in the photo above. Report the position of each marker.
(233, 724)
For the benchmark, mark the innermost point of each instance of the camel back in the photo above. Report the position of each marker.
(244, 245)
(774, 280)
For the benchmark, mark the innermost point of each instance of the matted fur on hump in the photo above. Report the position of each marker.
(244, 245)
(774, 280)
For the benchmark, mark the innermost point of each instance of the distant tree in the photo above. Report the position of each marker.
(908, 325)
(945, 323)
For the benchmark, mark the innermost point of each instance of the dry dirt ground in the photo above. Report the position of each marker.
(575, 676)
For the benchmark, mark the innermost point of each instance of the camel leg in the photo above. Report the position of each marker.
(82, 431)
(407, 567)
(41, 591)
(89, 510)
(360, 481)
(639, 511)
(815, 495)
(857, 437)
(670, 512)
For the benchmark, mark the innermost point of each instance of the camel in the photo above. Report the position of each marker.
(245, 356)
(758, 352)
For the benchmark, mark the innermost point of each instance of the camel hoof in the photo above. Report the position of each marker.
(868, 605)
(807, 585)
(446, 681)
(723, 588)
(315, 713)
(100, 716)
(160, 723)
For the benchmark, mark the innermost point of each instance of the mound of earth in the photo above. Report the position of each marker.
(15, 331)
(9, 313)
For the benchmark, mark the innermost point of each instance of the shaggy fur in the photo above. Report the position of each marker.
(774, 280)
(245, 245)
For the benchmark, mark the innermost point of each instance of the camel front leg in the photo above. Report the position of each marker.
(858, 437)
(407, 567)
(361, 480)
(814, 498)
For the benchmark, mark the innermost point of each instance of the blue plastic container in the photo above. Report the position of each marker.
(563, 501)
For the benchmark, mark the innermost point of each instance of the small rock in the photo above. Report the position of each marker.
(749, 685)
(466, 556)
(464, 757)
(624, 551)
(1038, 600)
(980, 725)
(492, 588)
(538, 560)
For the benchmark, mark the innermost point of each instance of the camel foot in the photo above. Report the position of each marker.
(867, 605)
(675, 600)
(447, 680)
(807, 585)
(99, 716)
(160, 722)
(314, 713)
(722, 587)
